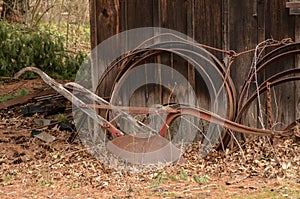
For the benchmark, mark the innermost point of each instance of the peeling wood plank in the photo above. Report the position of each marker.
(26, 98)
(297, 65)
(292, 4)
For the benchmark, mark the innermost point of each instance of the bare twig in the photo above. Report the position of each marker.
(237, 180)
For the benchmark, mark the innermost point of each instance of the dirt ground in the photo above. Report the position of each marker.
(31, 168)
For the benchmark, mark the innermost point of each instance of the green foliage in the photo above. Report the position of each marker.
(201, 179)
(173, 178)
(183, 174)
(45, 183)
(62, 118)
(21, 47)
(22, 92)
(5, 98)
(7, 179)
(158, 179)
(74, 36)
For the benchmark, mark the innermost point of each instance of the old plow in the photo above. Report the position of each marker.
(157, 132)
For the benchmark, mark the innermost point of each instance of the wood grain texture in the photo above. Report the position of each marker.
(281, 25)
(229, 24)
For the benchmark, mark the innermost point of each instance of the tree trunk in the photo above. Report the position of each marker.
(14, 10)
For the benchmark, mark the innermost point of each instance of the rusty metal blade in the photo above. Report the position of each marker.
(144, 150)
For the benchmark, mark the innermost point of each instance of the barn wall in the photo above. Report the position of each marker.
(225, 24)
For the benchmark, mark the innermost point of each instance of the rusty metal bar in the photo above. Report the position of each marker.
(265, 62)
(181, 110)
(233, 120)
(213, 118)
(262, 88)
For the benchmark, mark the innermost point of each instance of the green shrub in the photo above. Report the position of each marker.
(21, 47)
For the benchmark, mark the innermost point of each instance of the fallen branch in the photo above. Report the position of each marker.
(235, 181)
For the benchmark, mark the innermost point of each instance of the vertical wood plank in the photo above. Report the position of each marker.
(104, 24)
(297, 64)
(209, 31)
(191, 33)
(173, 15)
(123, 15)
(163, 58)
(158, 90)
(243, 36)
(140, 14)
(225, 25)
(93, 23)
(281, 25)
(261, 20)
(106, 13)
(208, 23)
(238, 25)
(260, 15)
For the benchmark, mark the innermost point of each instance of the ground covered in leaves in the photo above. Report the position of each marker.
(31, 168)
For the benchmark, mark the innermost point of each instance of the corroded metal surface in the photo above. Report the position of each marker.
(237, 107)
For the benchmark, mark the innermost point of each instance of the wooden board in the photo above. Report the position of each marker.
(281, 26)
(229, 24)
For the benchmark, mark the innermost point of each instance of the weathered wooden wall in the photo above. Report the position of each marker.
(226, 24)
